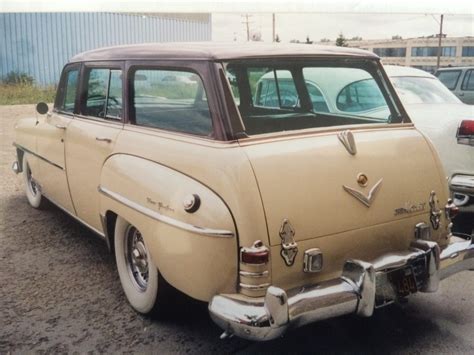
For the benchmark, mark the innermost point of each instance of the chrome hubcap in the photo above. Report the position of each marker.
(137, 258)
(31, 182)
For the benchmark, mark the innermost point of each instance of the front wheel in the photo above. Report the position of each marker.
(32, 189)
(144, 289)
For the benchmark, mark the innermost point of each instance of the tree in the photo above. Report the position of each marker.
(341, 41)
(325, 40)
(397, 37)
(277, 38)
(308, 41)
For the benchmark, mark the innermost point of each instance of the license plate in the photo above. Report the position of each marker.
(404, 281)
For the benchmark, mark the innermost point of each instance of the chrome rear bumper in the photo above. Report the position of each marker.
(355, 292)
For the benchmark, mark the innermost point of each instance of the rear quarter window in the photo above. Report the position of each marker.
(171, 100)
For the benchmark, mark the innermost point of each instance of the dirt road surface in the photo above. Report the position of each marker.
(60, 292)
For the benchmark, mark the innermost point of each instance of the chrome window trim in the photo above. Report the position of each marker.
(38, 156)
(165, 219)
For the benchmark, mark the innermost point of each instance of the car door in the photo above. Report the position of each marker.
(92, 135)
(466, 94)
(51, 135)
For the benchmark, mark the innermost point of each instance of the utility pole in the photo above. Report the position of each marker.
(439, 41)
(247, 23)
(273, 28)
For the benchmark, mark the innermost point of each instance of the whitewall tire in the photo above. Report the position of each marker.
(32, 189)
(138, 274)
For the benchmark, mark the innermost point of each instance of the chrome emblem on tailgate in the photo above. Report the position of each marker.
(347, 139)
(289, 248)
(366, 200)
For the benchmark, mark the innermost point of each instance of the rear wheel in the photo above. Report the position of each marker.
(145, 290)
(32, 189)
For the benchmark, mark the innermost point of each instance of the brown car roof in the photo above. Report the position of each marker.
(215, 51)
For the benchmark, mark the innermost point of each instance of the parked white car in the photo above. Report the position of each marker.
(441, 116)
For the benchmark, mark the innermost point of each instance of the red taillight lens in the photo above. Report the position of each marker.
(256, 254)
(260, 257)
(466, 128)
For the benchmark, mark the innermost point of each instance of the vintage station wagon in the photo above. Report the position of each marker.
(278, 208)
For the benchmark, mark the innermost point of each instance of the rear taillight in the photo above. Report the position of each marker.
(254, 273)
(451, 210)
(465, 133)
(256, 254)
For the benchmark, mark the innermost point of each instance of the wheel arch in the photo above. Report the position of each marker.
(150, 196)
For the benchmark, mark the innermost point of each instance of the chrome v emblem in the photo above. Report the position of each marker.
(366, 200)
(347, 139)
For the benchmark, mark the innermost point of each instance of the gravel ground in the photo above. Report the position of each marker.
(59, 292)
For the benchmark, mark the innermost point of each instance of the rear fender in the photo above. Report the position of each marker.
(196, 252)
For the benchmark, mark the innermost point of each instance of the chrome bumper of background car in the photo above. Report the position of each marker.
(462, 187)
(355, 292)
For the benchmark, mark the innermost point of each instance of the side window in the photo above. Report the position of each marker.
(449, 78)
(273, 88)
(104, 94)
(468, 82)
(317, 98)
(67, 91)
(114, 97)
(231, 76)
(172, 100)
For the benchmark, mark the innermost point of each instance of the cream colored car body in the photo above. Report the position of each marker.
(96, 170)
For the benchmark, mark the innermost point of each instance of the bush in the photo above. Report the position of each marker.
(13, 94)
(18, 78)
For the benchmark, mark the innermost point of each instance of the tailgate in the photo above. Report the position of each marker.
(313, 181)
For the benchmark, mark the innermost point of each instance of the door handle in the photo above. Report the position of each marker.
(461, 94)
(103, 139)
(60, 126)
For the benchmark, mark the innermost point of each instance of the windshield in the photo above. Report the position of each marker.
(284, 95)
(419, 90)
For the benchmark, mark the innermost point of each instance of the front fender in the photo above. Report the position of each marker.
(195, 252)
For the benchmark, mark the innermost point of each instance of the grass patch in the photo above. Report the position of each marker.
(15, 94)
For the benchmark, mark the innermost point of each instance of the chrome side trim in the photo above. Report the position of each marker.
(165, 219)
(38, 156)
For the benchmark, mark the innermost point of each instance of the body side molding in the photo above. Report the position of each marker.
(165, 219)
(37, 155)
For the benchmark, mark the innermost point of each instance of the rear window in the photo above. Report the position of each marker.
(171, 100)
(419, 90)
(286, 95)
(449, 78)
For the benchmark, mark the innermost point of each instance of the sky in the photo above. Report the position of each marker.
(295, 19)
(229, 27)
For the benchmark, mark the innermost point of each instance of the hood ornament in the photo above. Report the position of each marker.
(289, 248)
(366, 200)
(347, 139)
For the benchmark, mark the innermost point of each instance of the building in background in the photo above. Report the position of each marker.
(39, 44)
(420, 52)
